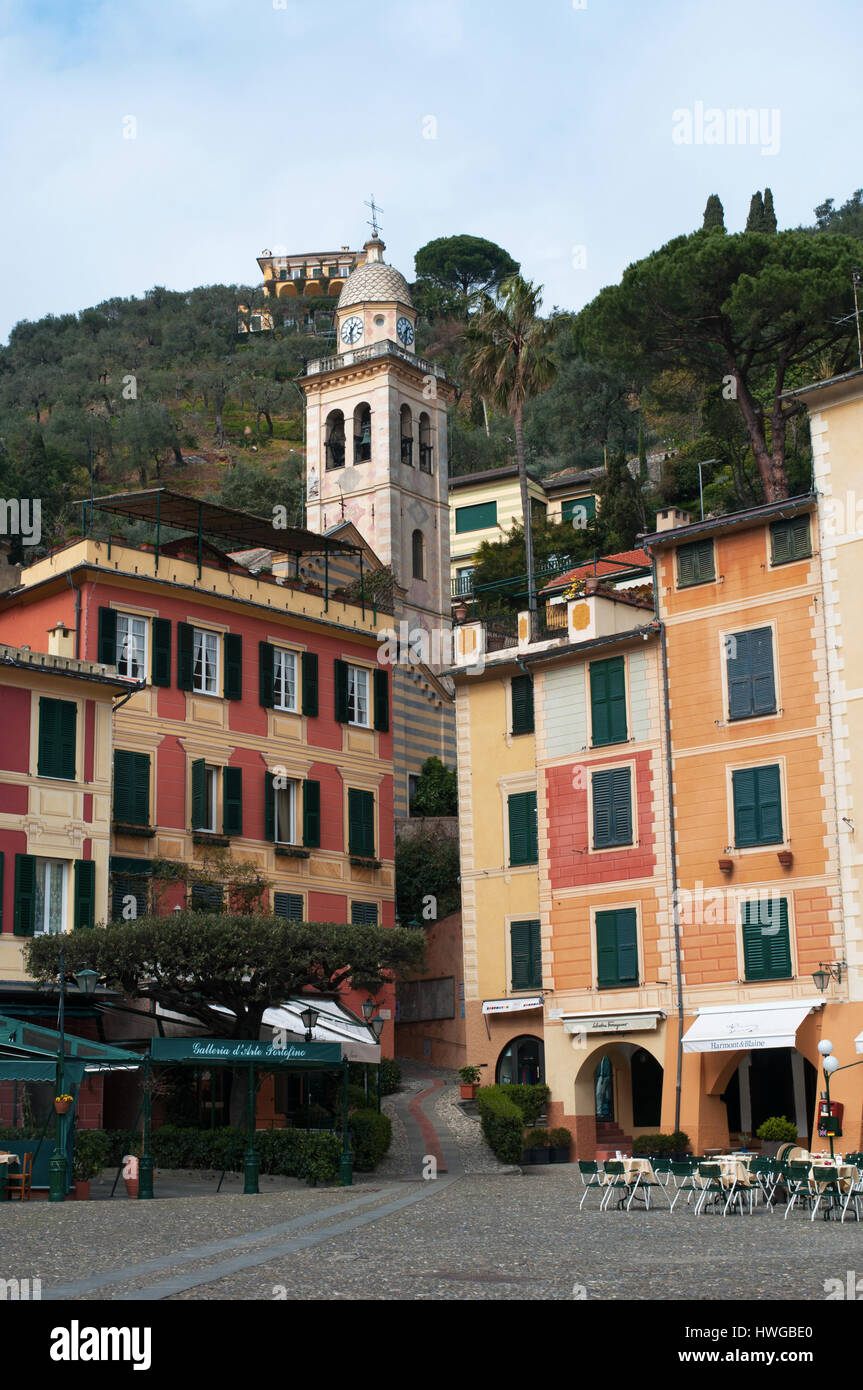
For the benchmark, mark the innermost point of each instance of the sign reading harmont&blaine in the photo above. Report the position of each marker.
(233, 1051)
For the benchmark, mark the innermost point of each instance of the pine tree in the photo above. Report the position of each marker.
(714, 214)
(755, 220)
(621, 511)
(769, 214)
(642, 453)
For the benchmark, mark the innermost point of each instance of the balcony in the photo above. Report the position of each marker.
(386, 348)
(462, 586)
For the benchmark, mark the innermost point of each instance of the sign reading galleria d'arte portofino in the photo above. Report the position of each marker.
(216, 1050)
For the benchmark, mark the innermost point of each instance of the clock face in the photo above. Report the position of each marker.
(352, 329)
(405, 331)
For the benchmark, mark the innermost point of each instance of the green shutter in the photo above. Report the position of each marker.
(199, 793)
(751, 682)
(382, 701)
(361, 823)
(269, 808)
(479, 517)
(25, 895)
(769, 793)
(232, 801)
(310, 683)
(522, 828)
(585, 504)
(341, 685)
(161, 665)
(695, 563)
(617, 948)
(606, 949)
(766, 940)
(266, 675)
(608, 701)
(757, 796)
(185, 656)
(85, 893)
(612, 807)
(790, 540)
(627, 946)
(57, 738)
(288, 906)
(108, 636)
(364, 914)
(311, 814)
(522, 704)
(233, 666)
(526, 955)
(131, 787)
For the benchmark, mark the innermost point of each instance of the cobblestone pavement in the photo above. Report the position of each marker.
(477, 1236)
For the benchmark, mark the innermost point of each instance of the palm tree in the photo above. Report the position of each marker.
(508, 362)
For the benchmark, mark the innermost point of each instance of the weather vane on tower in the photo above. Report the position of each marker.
(373, 223)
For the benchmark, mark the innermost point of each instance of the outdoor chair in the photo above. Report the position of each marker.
(21, 1181)
(828, 1191)
(766, 1173)
(615, 1181)
(590, 1177)
(646, 1182)
(855, 1191)
(798, 1184)
(718, 1189)
(662, 1169)
(684, 1176)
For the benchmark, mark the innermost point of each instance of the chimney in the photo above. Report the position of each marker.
(671, 517)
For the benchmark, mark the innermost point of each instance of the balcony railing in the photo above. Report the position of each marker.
(386, 348)
(501, 633)
(462, 586)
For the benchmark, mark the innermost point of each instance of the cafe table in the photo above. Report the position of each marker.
(5, 1160)
(636, 1169)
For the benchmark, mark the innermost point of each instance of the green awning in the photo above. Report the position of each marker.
(42, 1043)
(26, 1069)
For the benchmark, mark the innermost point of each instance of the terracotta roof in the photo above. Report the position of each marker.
(608, 565)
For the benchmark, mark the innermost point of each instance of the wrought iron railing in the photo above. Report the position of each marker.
(385, 348)
(462, 585)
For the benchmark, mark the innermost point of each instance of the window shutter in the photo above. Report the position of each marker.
(85, 893)
(185, 656)
(526, 956)
(790, 540)
(199, 792)
(131, 787)
(161, 661)
(606, 949)
(25, 894)
(341, 679)
(289, 906)
(612, 807)
(745, 818)
(627, 946)
(751, 684)
(128, 886)
(763, 682)
(364, 914)
(522, 828)
(522, 705)
(361, 823)
(738, 669)
(695, 563)
(207, 897)
(311, 814)
(233, 666)
(266, 675)
(57, 738)
(801, 540)
(108, 636)
(232, 801)
(141, 789)
(608, 701)
(310, 683)
(68, 723)
(269, 808)
(766, 942)
(382, 701)
(769, 795)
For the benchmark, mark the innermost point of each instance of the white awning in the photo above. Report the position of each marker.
(859, 1041)
(511, 1006)
(746, 1027)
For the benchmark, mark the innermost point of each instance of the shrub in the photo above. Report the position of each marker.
(676, 1143)
(529, 1100)
(679, 1142)
(371, 1134)
(559, 1138)
(502, 1123)
(92, 1154)
(391, 1075)
(778, 1129)
(537, 1139)
(469, 1075)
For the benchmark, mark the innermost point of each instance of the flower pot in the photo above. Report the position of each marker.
(558, 1153)
(785, 857)
(726, 866)
(131, 1187)
(468, 1092)
(82, 1191)
(62, 1107)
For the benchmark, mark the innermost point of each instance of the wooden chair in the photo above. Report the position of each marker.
(20, 1181)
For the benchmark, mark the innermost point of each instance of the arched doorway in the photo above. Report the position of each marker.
(603, 1089)
(772, 1081)
(646, 1090)
(522, 1062)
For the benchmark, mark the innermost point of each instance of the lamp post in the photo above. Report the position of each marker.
(377, 1027)
(830, 1065)
(308, 1018)
(86, 982)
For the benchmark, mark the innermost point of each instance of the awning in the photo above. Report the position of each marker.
(25, 1069)
(511, 1006)
(746, 1027)
(19, 1035)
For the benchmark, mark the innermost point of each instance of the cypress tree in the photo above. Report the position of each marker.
(755, 220)
(769, 214)
(714, 214)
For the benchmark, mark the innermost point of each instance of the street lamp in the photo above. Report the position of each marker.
(825, 973)
(377, 1027)
(308, 1018)
(368, 1009)
(87, 980)
(831, 1065)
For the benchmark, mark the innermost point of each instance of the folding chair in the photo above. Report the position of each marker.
(615, 1179)
(684, 1175)
(855, 1190)
(662, 1169)
(798, 1183)
(712, 1190)
(20, 1181)
(645, 1182)
(764, 1173)
(590, 1177)
(827, 1190)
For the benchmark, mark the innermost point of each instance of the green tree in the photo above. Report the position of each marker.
(621, 513)
(755, 220)
(255, 488)
(436, 792)
(459, 267)
(500, 564)
(770, 224)
(427, 867)
(509, 361)
(847, 220)
(714, 214)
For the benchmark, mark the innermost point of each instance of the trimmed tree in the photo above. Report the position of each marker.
(714, 214)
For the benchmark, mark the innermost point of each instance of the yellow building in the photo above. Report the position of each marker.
(483, 507)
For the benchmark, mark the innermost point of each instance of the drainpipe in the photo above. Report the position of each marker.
(678, 966)
(77, 616)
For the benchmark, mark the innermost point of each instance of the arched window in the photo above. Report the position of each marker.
(418, 547)
(407, 435)
(425, 443)
(334, 440)
(521, 1063)
(362, 433)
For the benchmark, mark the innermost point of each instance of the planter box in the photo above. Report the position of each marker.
(468, 1092)
(558, 1153)
(81, 1191)
(537, 1155)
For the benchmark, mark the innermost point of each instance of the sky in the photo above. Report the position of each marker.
(169, 142)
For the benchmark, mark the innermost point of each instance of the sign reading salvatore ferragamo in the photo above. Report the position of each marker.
(233, 1050)
(611, 1023)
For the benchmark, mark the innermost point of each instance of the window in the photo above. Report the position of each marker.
(285, 680)
(695, 563)
(131, 787)
(766, 939)
(522, 704)
(757, 806)
(425, 443)
(478, 517)
(50, 897)
(205, 662)
(361, 823)
(523, 843)
(288, 906)
(616, 948)
(749, 668)
(58, 723)
(358, 696)
(413, 782)
(211, 800)
(362, 433)
(538, 511)
(334, 440)
(608, 701)
(612, 807)
(344, 271)
(41, 891)
(131, 646)
(418, 554)
(296, 272)
(525, 955)
(285, 808)
(207, 897)
(407, 435)
(463, 583)
(129, 897)
(790, 540)
(364, 914)
(578, 509)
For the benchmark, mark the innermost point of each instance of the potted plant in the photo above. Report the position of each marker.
(745, 1141)
(559, 1141)
(469, 1077)
(63, 1104)
(774, 1132)
(536, 1146)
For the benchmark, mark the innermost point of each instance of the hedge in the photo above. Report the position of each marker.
(371, 1134)
(530, 1100)
(502, 1122)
